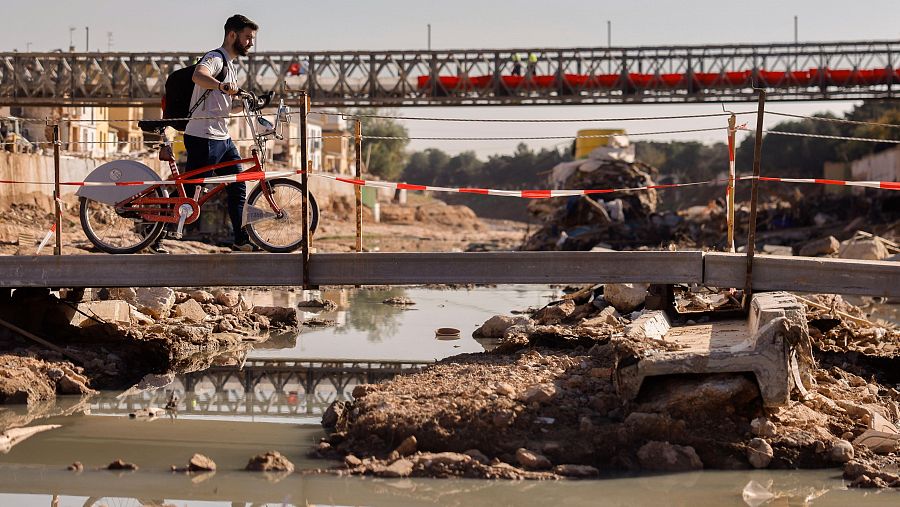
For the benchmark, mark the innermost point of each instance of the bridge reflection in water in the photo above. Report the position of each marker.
(262, 387)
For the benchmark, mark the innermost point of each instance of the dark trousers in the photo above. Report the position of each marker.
(203, 152)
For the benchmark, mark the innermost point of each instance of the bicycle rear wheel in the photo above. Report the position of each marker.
(285, 233)
(116, 234)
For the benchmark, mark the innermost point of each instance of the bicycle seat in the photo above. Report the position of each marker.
(156, 126)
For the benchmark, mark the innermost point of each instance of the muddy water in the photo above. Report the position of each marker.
(230, 422)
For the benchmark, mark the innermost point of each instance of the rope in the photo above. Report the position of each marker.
(835, 120)
(823, 136)
(542, 138)
(528, 120)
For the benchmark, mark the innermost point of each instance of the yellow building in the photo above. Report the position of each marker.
(124, 121)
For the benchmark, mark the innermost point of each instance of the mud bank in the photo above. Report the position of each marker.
(111, 338)
(546, 404)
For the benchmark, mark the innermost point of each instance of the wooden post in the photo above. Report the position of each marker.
(754, 197)
(729, 197)
(304, 181)
(357, 188)
(57, 224)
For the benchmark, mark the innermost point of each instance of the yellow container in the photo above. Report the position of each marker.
(585, 145)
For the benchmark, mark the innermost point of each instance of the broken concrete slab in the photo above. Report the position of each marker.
(90, 313)
(758, 345)
(652, 325)
(822, 246)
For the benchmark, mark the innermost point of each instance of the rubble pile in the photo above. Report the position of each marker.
(546, 404)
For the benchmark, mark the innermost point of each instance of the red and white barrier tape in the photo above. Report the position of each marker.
(886, 185)
(46, 239)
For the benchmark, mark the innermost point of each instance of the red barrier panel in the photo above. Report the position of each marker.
(606, 80)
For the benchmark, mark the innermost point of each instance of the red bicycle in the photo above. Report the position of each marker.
(122, 219)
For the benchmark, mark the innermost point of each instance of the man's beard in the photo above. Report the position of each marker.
(239, 49)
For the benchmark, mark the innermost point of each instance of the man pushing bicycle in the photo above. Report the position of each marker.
(206, 137)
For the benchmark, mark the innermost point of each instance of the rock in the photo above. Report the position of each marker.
(478, 456)
(271, 461)
(362, 390)
(503, 417)
(244, 304)
(227, 298)
(278, 315)
(73, 384)
(153, 301)
(494, 327)
(608, 316)
(201, 463)
(841, 451)
(75, 467)
(352, 461)
(181, 297)
(665, 457)
(539, 393)
(504, 389)
(651, 325)
(334, 414)
(317, 305)
(202, 296)
(532, 460)
(399, 468)
(190, 310)
(762, 427)
(759, 453)
(576, 471)
(112, 311)
(821, 246)
(399, 301)
(147, 413)
(407, 447)
(865, 249)
(625, 297)
(554, 314)
(121, 465)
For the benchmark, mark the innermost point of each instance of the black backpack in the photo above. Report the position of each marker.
(176, 102)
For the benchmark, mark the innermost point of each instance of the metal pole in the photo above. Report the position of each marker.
(304, 182)
(87, 39)
(57, 224)
(608, 33)
(754, 197)
(429, 36)
(358, 189)
(729, 196)
(795, 29)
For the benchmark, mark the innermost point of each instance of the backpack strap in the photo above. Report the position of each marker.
(220, 76)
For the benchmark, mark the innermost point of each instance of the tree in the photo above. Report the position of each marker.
(386, 157)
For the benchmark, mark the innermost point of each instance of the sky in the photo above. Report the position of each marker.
(285, 25)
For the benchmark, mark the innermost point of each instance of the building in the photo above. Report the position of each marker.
(124, 121)
(87, 131)
(337, 156)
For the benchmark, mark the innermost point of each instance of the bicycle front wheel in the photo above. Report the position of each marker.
(116, 233)
(284, 233)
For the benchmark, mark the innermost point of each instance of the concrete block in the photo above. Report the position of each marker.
(653, 325)
(758, 345)
(113, 311)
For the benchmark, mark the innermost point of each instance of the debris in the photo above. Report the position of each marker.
(399, 301)
(625, 297)
(271, 461)
(759, 453)
(121, 465)
(822, 246)
(13, 436)
(532, 460)
(755, 494)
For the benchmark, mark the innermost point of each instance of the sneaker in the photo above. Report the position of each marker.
(245, 247)
(159, 248)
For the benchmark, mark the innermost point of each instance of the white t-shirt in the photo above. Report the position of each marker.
(216, 103)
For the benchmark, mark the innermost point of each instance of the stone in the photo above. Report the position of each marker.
(504, 389)
(539, 393)
(362, 390)
(244, 304)
(759, 453)
(554, 314)
(352, 461)
(865, 249)
(199, 462)
(271, 461)
(762, 427)
(75, 467)
(841, 451)
(407, 446)
(399, 301)
(651, 325)
(494, 327)
(121, 465)
(625, 297)
(478, 456)
(822, 246)
(317, 305)
(112, 311)
(190, 310)
(665, 457)
(532, 460)
(503, 417)
(278, 315)
(576, 471)
(153, 301)
(73, 384)
(334, 414)
(608, 316)
(229, 298)
(399, 468)
(202, 296)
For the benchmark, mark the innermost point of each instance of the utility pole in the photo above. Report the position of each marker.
(109, 41)
(87, 39)
(429, 36)
(795, 29)
(28, 47)
(71, 39)
(608, 33)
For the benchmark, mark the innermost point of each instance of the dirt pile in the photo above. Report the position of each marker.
(547, 401)
(580, 223)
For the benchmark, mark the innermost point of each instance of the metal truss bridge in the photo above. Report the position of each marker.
(264, 387)
(478, 77)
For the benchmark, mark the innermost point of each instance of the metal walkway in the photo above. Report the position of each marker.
(644, 74)
(803, 274)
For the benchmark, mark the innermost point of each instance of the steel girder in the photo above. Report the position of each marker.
(669, 74)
